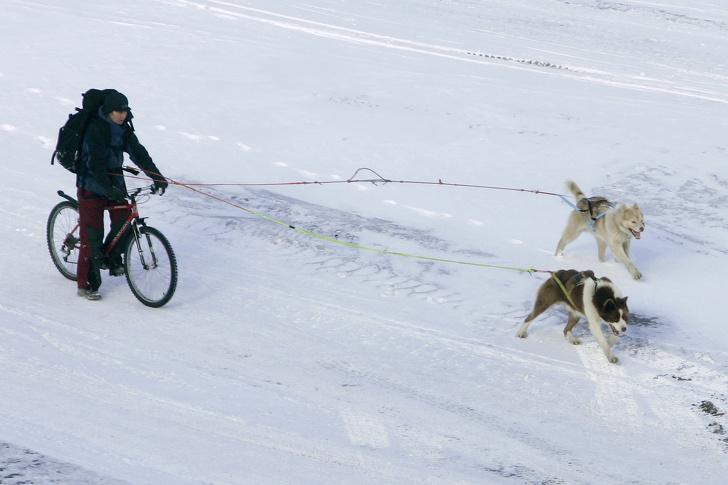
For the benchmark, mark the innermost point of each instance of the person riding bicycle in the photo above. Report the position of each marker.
(102, 185)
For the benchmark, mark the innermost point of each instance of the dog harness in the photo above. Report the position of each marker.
(589, 220)
(579, 281)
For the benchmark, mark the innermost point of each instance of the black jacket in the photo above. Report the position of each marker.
(103, 152)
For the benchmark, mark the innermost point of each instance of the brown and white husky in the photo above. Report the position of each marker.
(583, 295)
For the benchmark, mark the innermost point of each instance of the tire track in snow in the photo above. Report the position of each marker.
(423, 280)
(572, 71)
(344, 34)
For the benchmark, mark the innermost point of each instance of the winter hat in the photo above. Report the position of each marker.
(115, 102)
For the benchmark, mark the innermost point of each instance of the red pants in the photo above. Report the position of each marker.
(91, 228)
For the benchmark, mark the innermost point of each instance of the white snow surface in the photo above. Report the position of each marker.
(284, 358)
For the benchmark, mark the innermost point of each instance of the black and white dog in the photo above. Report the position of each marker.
(583, 295)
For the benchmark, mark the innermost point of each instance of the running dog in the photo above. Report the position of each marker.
(613, 226)
(583, 295)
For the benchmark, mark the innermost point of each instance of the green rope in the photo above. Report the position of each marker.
(394, 253)
(563, 288)
(333, 240)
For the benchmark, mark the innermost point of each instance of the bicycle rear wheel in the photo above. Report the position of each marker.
(62, 233)
(151, 267)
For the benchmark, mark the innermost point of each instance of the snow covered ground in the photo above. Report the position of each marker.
(284, 358)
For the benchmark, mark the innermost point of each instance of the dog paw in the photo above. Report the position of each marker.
(571, 339)
(613, 359)
(637, 275)
(522, 334)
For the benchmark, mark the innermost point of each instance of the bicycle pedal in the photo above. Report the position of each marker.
(119, 271)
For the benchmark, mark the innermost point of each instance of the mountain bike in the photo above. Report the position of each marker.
(150, 265)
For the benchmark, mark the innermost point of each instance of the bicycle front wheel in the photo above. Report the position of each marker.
(62, 233)
(151, 267)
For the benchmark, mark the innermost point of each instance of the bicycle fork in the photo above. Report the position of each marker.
(143, 255)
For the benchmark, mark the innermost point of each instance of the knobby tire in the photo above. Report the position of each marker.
(152, 282)
(64, 249)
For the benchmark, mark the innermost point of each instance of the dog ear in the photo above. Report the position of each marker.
(609, 306)
(635, 206)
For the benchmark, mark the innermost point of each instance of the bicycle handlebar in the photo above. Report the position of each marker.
(147, 189)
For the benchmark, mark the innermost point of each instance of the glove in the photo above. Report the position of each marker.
(160, 186)
(115, 193)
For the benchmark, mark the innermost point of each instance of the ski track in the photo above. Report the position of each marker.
(711, 90)
(627, 81)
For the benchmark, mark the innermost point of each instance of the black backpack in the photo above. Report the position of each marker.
(70, 136)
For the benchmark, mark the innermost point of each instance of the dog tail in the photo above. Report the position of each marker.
(578, 194)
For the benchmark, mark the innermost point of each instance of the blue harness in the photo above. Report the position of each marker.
(589, 220)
